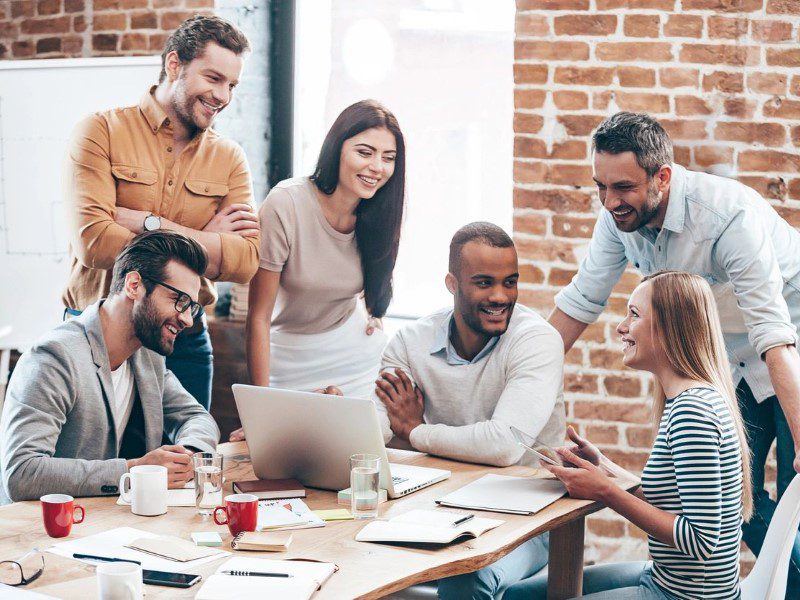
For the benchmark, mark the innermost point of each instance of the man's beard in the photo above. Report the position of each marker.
(147, 325)
(649, 210)
(183, 106)
(473, 321)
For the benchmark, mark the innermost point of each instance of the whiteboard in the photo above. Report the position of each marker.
(41, 101)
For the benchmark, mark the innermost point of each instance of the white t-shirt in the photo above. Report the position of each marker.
(122, 402)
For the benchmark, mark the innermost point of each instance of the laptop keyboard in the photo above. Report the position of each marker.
(398, 480)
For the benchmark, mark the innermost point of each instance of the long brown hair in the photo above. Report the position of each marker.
(686, 322)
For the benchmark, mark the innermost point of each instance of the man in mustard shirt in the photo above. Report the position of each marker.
(159, 165)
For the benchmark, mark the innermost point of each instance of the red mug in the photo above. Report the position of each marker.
(58, 513)
(241, 513)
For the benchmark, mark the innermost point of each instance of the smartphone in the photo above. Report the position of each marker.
(542, 451)
(179, 580)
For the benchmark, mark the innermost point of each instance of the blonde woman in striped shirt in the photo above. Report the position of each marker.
(696, 483)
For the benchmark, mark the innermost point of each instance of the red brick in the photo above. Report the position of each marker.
(530, 274)
(795, 134)
(794, 189)
(527, 147)
(601, 100)
(636, 102)
(559, 278)
(719, 54)
(580, 124)
(200, 3)
(769, 187)
(691, 105)
(23, 8)
(767, 83)
(534, 224)
(612, 411)
(640, 437)
(585, 25)
(9, 31)
(24, 49)
(603, 434)
(642, 26)
(554, 200)
(584, 75)
(105, 42)
(636, 4)
(569, 150)
(72, 45)
(783, 58)
(531, 24)
(628, 459)
(48, 7)
(3, 52)
(768, 134)
(622, 385)
(673, 77)
(529, 172)
(636, 77)
(528, 98)
(605, 527)
(723, 5)
(626, 285)
(782, 109)
(99, 5)
(739, 108)
(539, 300)
(794, 88)
(705, 156)
(580, 383)
(769, 160)
(45, 45)
(109, 22)
(569, 174)
(729, 28)
(48, 25)
(134, 42)
(545, 250)
(79, 23)
(173, 19)
(527, 123)
(634, 51)
(546, 50)
(683, 155)
(573, 227)
(526, 73)
(144, 20)
(606, 359)
(570, 100)
(574, 356)
(784, 7)
(771, 31)
(790, 215)
(552, 5)
(685, 130)
(730, 83)
(684, 26)
(73, 6)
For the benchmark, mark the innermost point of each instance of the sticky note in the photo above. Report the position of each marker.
(334, 514)
(206, 538)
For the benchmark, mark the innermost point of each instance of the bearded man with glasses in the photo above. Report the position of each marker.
(94, 398)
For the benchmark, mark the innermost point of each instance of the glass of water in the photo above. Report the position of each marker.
(365, 473)
(207, 481)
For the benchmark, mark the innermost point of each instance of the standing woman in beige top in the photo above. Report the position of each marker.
(326, 240)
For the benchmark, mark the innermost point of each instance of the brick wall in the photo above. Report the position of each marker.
(723, 76)
(79, 28)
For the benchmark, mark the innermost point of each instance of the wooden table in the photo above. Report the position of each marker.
(366, 570)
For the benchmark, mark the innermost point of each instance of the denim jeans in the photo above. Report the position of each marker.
(486, 583)
(764, 423)
(617, 581)
(192, 362)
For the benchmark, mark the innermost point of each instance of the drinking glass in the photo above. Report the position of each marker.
(207, 481)
(365, 472)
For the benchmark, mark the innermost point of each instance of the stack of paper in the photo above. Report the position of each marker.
(292, 513)
(502, 493)
(305, 579)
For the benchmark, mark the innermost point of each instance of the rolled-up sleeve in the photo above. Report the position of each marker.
(587, 294)
(239, 254)
(745, 253)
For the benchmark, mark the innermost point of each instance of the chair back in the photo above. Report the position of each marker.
(769, 574)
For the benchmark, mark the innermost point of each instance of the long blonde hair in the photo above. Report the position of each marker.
(686, 322)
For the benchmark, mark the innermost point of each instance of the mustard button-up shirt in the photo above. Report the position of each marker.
(124, 157)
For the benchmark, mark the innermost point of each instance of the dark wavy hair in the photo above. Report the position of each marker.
(378, 220)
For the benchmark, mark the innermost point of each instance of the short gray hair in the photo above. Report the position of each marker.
(638, 133)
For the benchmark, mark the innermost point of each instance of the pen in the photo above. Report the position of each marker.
(256, 574)
(458, 522)
(103, 558)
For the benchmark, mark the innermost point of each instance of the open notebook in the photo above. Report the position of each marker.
(506, 494)
(306, 578)
(425, 527)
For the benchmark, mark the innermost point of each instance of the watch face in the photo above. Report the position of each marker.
(152, 222)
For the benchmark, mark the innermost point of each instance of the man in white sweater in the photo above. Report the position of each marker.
(454, 381)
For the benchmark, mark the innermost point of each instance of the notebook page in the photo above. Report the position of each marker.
(503, 493)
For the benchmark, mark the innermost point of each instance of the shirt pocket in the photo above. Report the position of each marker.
(136, 186)
(202, 202)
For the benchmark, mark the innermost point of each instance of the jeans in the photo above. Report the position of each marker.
(486, 583)
(192, 362)
(617, 581)
(764, 423)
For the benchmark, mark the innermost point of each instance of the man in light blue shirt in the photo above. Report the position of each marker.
(658, 215)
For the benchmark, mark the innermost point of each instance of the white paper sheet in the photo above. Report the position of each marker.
(502, 493)
(8, 592)
(111, 544)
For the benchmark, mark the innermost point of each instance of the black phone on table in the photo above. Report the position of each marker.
(179, 580)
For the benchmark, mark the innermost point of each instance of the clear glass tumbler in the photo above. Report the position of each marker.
(207, 481)
(365, 474)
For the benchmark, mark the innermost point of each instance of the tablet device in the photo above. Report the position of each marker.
(542, 451)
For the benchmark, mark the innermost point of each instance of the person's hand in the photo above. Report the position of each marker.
(237, 435)
(584, 480)
(177, 459)
(331, 390)
(132, 220)
(374, 323)
(584, 448)
(404, 402)
(240, 219)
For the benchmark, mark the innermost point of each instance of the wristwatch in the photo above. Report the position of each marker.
(152, 222)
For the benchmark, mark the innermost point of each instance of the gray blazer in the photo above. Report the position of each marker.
(57, 432)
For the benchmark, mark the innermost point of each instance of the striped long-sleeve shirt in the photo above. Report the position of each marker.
(695, 472)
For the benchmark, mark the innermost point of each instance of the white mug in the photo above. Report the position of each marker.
(147, 491)
(119, 581)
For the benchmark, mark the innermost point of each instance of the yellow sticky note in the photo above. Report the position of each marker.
(334, 514)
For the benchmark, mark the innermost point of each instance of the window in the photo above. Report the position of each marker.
(444, 68)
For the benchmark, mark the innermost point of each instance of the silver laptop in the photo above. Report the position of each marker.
(310, 437)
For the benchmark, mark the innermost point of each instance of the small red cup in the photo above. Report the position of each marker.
(58, 513)
(241, 513)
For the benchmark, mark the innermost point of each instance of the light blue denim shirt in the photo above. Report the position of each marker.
(441, 343)
(725, 232)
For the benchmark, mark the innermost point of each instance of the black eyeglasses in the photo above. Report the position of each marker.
(183, 302)
(23, 570)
